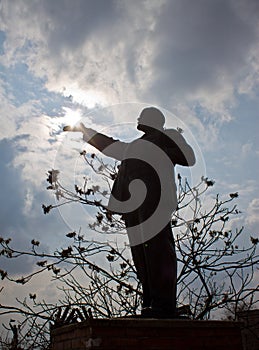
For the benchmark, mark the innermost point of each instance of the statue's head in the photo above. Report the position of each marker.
(151, 117)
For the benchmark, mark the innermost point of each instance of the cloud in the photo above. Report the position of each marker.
(13, 222)
(202, 45)
(163, 51)
(62, 60)
(75, 46)
(181, 55)
(252, 219)
(246, 149)
(21, 215)
(188, 56)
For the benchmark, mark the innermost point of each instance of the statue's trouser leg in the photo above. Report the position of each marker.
(156, 265)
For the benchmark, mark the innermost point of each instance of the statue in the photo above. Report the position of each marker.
(144, 193)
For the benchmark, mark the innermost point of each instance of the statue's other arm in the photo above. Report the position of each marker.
(178, 149)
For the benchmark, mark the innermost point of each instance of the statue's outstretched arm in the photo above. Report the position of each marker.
(107, 145)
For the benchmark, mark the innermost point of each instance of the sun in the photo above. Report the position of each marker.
(71, 116)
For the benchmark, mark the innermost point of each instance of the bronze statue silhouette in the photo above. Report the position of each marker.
(144, 193)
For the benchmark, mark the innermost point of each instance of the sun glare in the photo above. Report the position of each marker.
(71, 116)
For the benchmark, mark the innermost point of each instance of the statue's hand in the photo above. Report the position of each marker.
(75, 128)
(67, 128)
(88, 133)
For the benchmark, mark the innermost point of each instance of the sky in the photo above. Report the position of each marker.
(102, 62)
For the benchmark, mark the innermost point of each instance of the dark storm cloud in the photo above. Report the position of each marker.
(201, 44)
(70, 23)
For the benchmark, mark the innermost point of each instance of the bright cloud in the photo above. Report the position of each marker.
(253, 215)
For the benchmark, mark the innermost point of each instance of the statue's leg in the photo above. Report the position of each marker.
(138, 255)
(139, 259)
(161, 265)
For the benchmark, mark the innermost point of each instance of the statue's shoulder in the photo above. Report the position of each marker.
(175, 136)
(172, 132)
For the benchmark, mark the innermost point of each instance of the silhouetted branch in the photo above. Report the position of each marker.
(214, 271)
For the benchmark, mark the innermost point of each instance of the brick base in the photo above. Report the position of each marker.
(151, 334)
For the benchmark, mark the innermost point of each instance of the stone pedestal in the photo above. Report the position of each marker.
(151, 334)
(250, 329)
